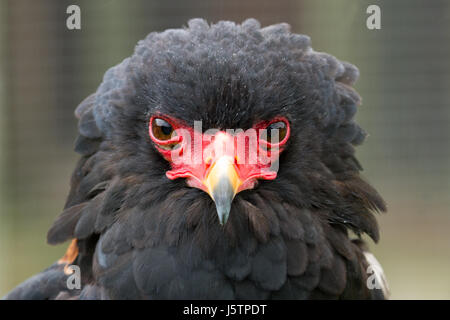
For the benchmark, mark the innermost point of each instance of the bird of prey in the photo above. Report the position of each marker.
(217, 162)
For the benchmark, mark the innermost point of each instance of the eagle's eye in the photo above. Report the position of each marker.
(161, 129)
(282, 132)
(163, 133)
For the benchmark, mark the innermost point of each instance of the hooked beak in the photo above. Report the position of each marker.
(220, 173)
(222, 183)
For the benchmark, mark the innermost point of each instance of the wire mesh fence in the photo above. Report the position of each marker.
(46, 70)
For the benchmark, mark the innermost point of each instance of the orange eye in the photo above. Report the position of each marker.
(276, 132)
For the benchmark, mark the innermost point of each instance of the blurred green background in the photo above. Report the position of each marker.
(46, 70)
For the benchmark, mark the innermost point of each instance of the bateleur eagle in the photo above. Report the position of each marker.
(158, 210)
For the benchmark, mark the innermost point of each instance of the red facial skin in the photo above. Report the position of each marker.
(187, 161)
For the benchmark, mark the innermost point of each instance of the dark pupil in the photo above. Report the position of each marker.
(280, 126)
(161, 129)
(166, 129)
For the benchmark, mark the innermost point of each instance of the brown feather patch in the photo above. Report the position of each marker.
(71, 253)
